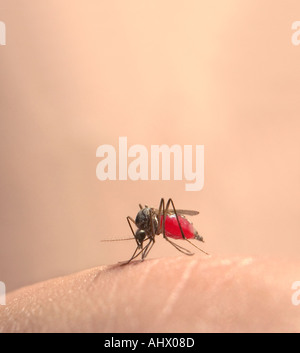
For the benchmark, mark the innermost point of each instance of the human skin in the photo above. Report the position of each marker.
(181, 294)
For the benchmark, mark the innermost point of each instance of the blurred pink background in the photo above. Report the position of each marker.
(79, 74)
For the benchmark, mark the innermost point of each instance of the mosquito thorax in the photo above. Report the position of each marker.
(143, 220)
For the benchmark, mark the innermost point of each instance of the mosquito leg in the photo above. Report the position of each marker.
(180, 248)
(170, 201)
(151, 237)
(135, 254)
(162, 212)
(132, 220)
(147, 249)
(132, 257)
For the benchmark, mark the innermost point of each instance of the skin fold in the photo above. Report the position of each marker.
(180, 294)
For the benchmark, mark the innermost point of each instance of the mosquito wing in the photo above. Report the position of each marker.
(187, 212)
(182, 212)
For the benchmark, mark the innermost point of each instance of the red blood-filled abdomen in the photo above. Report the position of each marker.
(172, 228)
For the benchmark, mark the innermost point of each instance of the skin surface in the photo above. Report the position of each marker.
(181, 294)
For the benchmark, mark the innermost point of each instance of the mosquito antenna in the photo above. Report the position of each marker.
(121, 239)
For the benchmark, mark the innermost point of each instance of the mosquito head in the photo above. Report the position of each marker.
(140, 236)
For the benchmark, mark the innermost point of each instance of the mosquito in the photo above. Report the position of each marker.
(166, 220)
